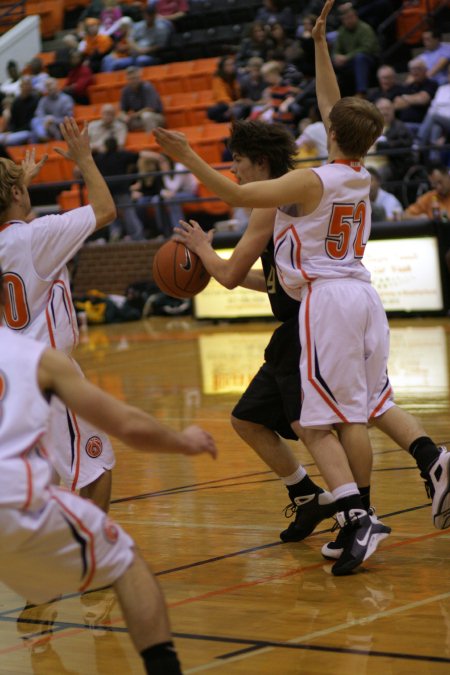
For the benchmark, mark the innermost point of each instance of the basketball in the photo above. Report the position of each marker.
(178, 271)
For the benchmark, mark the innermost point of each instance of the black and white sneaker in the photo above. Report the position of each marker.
(309, 511)
(365, 532)
(437, 484)
(333, 550)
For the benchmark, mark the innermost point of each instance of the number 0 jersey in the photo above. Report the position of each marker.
(36, 282)
(328, 243)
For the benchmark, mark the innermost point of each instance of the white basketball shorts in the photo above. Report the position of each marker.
(67, 546)
(344, 336)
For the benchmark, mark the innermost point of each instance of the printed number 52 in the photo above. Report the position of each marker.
(344, 218)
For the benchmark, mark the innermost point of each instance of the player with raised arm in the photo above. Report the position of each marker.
(320, 236)
(263, 415)
(53, 541)
(38, 302)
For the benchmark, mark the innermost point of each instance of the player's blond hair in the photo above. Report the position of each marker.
(357, 124)
(11, 175)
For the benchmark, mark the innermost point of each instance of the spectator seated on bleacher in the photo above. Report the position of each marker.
(252, 82)
(276, 11)
(110, 16)
(150, 36)
(178, 184)
(289, 47)
(95, 45)
(11, 86)
(412, 105)
(226, 91)
(391, 166)
(355, 52)
(79, 78)
(436, 55)
(115, 161)
(39, 75)
(142, 193)
(256, 43)
(123, 52)
(108, 126)
(23, 107)
(50, 112)
(172, 10)
(61, 64)
(306, 61)
(435, 128)
(385, 206)
(388, 85)
(436, 202)
(140, 104)
(278, 97)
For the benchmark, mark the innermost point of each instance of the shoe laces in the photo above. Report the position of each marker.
(290, 510)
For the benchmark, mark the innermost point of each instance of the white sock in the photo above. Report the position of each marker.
(346, 490)
(295, 477)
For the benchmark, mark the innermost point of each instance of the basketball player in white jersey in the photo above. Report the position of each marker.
(38, 302)
(51, 540)
(320, 237)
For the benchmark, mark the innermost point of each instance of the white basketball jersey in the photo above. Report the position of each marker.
(328, 243)
(36, 283)
(24, 415)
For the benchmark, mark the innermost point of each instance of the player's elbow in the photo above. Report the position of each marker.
(106, 215)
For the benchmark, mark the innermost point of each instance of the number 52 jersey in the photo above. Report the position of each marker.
(329, 242)
(36, 281)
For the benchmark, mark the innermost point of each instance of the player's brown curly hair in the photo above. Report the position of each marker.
(11, 175)
(357, 124)
(259, 140)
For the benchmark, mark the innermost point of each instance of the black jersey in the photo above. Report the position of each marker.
(283, 306)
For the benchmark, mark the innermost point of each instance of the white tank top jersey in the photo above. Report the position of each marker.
(24, 415)
(33, 257)
(328, 243)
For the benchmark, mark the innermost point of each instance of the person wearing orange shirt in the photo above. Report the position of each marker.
(95, 45)
(434, 204)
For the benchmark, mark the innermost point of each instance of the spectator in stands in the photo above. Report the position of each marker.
(253, 83)
(142, 193)
(273, 11)
(282, 43)
(79, 79)
(387, 205)
(50, 112)
(123, 52)
(436, 203)
(140, 103)
(95, 44)
(355, 52)
(226, 91)
(256, 43)
(112, 162)
(279, 96)
(395, 136)
(39, 76)
(312, 141)
(389, 86)
(150, 36)
(436, 55)
(435, 128)
(178, 184)
(11, 86)
(23, 107)
(172, 10)
(108, 126)
(306, 61)
(61, 64)
(412, 105)
(110, 16)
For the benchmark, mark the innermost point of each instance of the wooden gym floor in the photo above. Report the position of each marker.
(240, 601)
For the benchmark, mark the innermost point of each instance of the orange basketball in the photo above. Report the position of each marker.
(178, 271)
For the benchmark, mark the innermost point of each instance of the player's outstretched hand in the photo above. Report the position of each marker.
(191, 235)
(77, 141)
(30, 167)
(319, 30)
(174, 143)
(199, 441)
